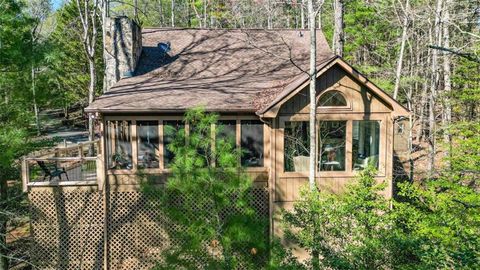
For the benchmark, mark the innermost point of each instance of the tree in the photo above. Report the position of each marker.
(312, 93)
(16, 111)
(431, 225)
(338, 34)
(398, 73)
(87, 12)
(39, 11)
(67, 70)
(349, 231)
(208, 203)
(441, 216)
(312, 14)
(447, 75)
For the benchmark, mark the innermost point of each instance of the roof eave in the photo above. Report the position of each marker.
(172, 110)
(272, 109)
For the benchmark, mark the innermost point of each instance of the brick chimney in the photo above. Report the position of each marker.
(123, 46)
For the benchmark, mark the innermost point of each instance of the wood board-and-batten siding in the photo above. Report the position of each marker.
(362, 104)
(122, 232)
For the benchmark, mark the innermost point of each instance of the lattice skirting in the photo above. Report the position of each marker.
(68, 228)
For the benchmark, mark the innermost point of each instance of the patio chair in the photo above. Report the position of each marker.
(52, 171)
(301, 163)
(363, 163)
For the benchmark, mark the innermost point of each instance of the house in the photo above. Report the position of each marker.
(257, 81)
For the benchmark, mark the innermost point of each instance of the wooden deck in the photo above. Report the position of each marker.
(81, 169)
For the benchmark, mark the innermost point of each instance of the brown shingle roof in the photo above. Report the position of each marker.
(222, 70)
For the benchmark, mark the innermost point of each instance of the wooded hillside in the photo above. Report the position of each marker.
(425, 53)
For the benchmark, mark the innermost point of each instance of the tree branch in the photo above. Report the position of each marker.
(468, 56)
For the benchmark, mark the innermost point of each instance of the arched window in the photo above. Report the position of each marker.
(332, 98)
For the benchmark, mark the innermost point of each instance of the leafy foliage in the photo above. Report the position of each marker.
(351, 231)
(208, 202)
(433, 225)
(69, 72)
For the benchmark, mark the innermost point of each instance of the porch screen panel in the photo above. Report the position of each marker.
(252, 143)
(296, 146)
(331, 145)
(171, 130)
(366, 144)
(202, 137)
(225, 138)
(148, 141)
(119, 144)
(226, 130)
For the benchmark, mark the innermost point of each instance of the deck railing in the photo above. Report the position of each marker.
(80, 164)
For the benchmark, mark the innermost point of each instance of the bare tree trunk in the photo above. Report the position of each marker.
(160, 10)
(269, 14)
(172, 13)
(3, 226)
(447, 72)
(338, 34)
(320, 19)
(410, 129)
(421, 132)
(433, 92)
(205, 13)
(398, 73)
(313, 110)
(313, 107)
(105, 6)
(302, 14)
(88, 17)
(422, 118)
(91, 97)
(135, 10)
(35, 105)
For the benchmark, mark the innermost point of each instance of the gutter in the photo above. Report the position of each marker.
(133, 111)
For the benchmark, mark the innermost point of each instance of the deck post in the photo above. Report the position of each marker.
(25, 174)
(100, 172)
(80, 150)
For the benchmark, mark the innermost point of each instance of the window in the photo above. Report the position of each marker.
(332, 99)
(331, 145)
(119, 147)
(170, 132)
(252, 143)
(297, 146)
(366, 142)
(225, 138)
(147, 133)
(201, 136)
(400, 127)
(227, 130)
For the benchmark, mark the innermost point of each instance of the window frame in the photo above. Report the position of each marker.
(160, 142)
(349, 118)
(330, 108)
(379, 141)
(111, 134)
(161, 118)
